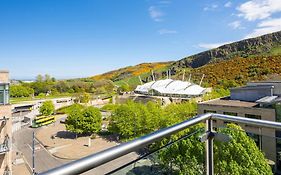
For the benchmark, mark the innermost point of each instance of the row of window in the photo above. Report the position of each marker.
(253, 116)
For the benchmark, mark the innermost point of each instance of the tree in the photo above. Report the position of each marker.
(239, 156)
(92, 119)
(84, 121)
(123, 88)
(21, 91)
(74, 120)
(82, 97)
(48, 78)
(47, 108)
(39, 78)
(53, 79)
(131, 120)
(85, 98)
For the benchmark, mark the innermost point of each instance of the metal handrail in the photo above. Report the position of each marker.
(84, 164)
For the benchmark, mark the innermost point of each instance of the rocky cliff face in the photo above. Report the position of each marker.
(245, 48)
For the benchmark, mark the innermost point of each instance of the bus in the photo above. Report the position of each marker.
(43, 120)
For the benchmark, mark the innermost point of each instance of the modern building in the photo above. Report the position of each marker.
(5, 125)
(171, 88)
(258, 100)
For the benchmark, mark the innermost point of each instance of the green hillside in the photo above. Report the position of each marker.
(228, 65)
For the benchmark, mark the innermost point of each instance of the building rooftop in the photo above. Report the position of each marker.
(169, 86)
(253, 87)
(266, 81)
(227, 102)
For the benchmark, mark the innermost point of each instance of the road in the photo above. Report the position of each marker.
(45, 161)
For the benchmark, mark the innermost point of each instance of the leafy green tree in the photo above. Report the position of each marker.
(21, 91)
(84, 121)
(41, 87)
(47, 78)
(85, 98)
(175, 113)
(132, 119)
(239, 156)
(53, 79)
(124, 121)
(82, 97)
(123, 88)
(62, 86)
(47, 108)
(39, 78)
(74, 121)
(92, 119)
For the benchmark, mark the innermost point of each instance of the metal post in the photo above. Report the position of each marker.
(33, 153)
(209, 148)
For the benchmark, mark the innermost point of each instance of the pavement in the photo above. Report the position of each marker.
(64, 144)
(21, 169)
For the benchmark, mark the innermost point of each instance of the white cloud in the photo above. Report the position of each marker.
(210, 7)
(212, 45)
(265, 27)
(259, 9)
(155, 13)
(235, 25)
(166, 31)
(228, 4)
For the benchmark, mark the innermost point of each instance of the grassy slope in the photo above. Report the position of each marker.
(239, 70)
(130, 75)
(131, 71)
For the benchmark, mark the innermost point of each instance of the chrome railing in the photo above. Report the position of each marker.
(95, 160)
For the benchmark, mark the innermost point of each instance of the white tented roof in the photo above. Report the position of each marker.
(145, 87)
(171, 87)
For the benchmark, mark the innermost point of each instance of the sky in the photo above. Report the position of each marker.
(81, 38)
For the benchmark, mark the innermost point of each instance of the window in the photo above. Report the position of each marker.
(209, 111)
(230, 113)
(252, 116)
(1, 97)
(4, 94)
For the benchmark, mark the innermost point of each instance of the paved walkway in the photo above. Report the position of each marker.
(64, 145)
(20, 170)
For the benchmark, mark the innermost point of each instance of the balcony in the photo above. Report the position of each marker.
(147, 163)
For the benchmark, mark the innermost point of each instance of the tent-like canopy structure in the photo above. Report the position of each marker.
(169, 87)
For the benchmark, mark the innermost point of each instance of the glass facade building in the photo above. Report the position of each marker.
(4, 93)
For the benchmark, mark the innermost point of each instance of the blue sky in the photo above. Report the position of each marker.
(80, 38)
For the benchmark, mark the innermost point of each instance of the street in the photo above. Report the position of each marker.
(45, 161)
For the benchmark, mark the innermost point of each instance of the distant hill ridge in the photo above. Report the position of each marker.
(269, 44)
(131, 71)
